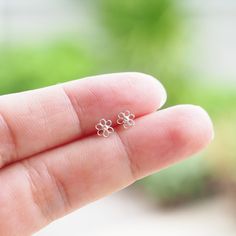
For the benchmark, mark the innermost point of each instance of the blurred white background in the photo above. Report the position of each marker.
(128, 213)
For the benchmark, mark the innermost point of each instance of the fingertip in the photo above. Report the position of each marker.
(168, 136)
(151, 86)
(196, 127)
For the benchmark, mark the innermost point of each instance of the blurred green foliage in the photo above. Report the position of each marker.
(190, 179)
(141, 32)
(136, 35)
(30, 67)
(147, 36)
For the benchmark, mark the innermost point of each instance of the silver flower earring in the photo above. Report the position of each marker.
(126, 119)
(104, 128)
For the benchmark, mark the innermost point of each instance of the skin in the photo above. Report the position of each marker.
(52, 162)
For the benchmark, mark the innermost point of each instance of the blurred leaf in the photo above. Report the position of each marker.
(36, 66)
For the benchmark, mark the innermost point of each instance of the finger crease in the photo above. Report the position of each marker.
(13, 154)
(132, 165)
(45, 190)
(75, 106)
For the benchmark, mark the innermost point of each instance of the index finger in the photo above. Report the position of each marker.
(39, 120)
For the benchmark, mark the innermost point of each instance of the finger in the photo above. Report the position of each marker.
(71, 176)
(35, 121)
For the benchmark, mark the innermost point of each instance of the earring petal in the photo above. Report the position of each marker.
(127, 113)
(111, 130)
(131, 122)
(132, 116)
(103, 122)
(99, 126)
(106, 133)
(120, 121)
(121, 115)
(126, 125)
(108, 122)
(100, 132)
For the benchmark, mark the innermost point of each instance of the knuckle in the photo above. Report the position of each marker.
(8, 144)
(48, 193)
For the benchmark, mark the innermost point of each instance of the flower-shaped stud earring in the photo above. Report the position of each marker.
(104, 128)
(126, 118)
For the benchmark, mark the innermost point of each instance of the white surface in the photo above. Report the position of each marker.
(126, 213)
(213, 43)
(41, 20)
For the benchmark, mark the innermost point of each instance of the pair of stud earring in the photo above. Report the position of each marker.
(104, 127)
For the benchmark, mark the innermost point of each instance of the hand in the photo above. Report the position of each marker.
(52, 161)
